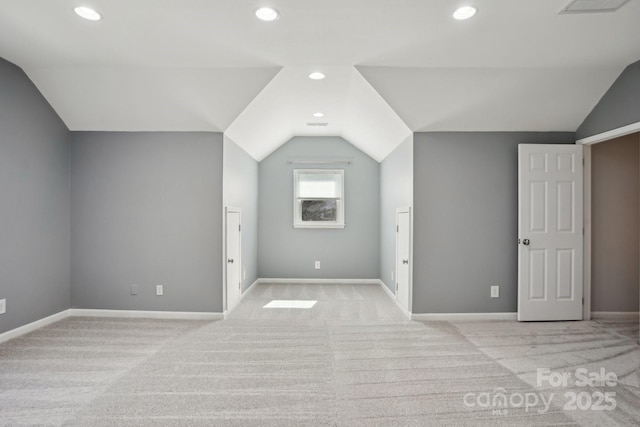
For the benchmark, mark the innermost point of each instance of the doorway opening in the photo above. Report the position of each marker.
(614, 227)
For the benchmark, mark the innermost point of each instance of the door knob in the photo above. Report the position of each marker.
(405, 261)
(526, 242)
(230, 260)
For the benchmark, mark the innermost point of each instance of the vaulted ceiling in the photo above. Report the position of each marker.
(392, 66)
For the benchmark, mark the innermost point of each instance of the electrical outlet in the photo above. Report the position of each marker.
(3, 306)
(159, 290)
(392, 275)
(134, 289)
(495, 292)
(317, 265)
(244, 274)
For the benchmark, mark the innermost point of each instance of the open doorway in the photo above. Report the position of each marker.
(628, 138)
(615, 234)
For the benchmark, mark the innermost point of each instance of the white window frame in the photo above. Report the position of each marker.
(297, 201)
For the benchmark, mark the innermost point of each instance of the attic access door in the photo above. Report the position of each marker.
(550, 232)
(233, 257)
(403, 258)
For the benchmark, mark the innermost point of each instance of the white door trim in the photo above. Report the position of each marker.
(407, 210)
(586, 213)
(227, 210)
(393, 297)
(587, 142)
(610, 134)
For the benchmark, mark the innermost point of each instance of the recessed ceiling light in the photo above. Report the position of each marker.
(318, 114)
(317, 76)
(267, 14)
(87, 13)
(465, 12)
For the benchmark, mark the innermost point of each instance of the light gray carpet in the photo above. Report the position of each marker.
(344, 301)
(271, 372)
(49, 375)
(565, 348)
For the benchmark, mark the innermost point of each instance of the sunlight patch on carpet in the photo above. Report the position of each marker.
(291, 304)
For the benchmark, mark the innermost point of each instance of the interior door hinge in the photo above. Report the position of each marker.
(397, 228)
(239, 228)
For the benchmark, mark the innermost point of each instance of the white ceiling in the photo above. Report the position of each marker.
(393, 66)
(353, 110)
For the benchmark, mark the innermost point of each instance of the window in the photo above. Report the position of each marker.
(318, 198)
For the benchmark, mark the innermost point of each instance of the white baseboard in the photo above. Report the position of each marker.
(387, 290)
(242, 295)
(320, 281)
(393, 297)
(246, 291)
(131, 314)
(142, 314)
(464, 316)
(30, 327)
(615, 315)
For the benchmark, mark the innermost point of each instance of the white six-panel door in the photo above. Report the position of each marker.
(550, 232)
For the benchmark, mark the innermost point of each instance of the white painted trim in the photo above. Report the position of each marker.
(242, 295)
(464, 316)
(586, 242)
(387, 290)
(246, 291)
(297, 208)
(30, 327)
(393, 297)
(320, 281)
(143, 314)
(615, 315)
(130, 314)
(613, 133)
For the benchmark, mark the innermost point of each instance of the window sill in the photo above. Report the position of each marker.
(318, 225)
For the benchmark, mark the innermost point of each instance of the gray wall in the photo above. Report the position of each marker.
(396, 191)
(34, 199)
(146, 209)
(240, 180)
(614, 258)
(349, 253)
(466, 219)
(618, 107)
